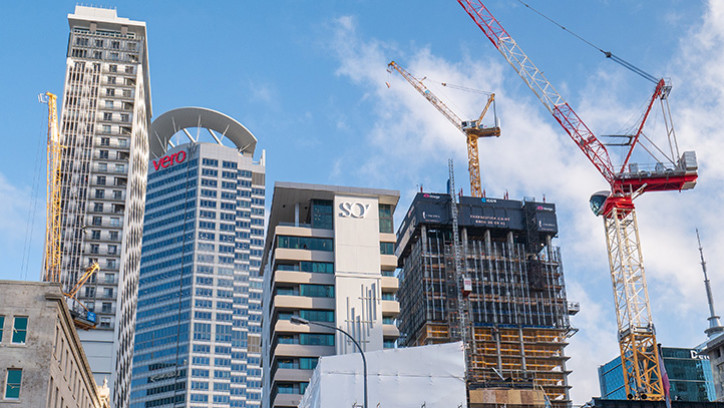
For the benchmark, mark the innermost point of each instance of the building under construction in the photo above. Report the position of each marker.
(515, 298)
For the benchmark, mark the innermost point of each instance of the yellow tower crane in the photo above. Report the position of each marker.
(473, 129)
(82, 318)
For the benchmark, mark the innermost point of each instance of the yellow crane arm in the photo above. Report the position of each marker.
(83, 279)
(472, 129)
(434, 100)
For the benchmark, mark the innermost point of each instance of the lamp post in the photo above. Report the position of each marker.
(299, 320)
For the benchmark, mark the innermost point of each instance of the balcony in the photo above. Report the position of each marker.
(389, 282)
(390, 307)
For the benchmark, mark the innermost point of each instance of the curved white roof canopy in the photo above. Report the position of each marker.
(174, 121)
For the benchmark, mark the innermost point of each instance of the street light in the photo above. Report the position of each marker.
(299, 320)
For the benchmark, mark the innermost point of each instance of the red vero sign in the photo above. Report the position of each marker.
(167, 161)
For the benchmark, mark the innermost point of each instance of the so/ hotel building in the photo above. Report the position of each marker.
(329, 259)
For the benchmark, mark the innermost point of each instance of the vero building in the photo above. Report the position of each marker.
(328, 259)
(197, 338)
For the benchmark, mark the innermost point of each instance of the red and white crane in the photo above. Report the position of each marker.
(636, 334)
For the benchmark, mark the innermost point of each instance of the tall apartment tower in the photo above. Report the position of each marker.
(104, 121)
(199, 304)
(328, 258)
(518, 312)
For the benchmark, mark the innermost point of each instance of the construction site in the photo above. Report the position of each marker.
(516, 300)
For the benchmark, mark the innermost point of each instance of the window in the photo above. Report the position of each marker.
(13, 382)
(96, 234)
(110, 92)
(385, 211)
(129, 69)
(111, 80)
(317, 244)
(387, 248)
(20, 330)
(2, 325)
(112, 249)
(90, 291)
(108, 292)
(99, 43)
(114, 235)
(109, 105)
(113, 68)
(96, 220)
(106, 128)
(322, 214)
(98, 207)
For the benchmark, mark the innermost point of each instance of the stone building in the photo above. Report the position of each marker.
(42, 363)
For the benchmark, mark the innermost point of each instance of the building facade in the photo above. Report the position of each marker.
(199, 306)
(518, 311)
(689, 371)
(42, 363)
(105, 116)
(328, 258)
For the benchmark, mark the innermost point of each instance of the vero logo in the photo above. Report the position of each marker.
(170, 160)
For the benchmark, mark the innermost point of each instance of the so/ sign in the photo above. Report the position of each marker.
(170, 160)
(353, 210)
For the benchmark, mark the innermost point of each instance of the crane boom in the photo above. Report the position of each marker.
(472, 129)
(636, 334)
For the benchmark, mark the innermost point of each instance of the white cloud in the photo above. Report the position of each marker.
(411, 141)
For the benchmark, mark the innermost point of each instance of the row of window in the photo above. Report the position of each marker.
(315, 244)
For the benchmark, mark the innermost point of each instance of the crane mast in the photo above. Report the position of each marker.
(52, 267)
(51, 270)
(636, 334)
(472, 129)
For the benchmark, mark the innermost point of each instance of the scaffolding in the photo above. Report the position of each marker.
(518, 311)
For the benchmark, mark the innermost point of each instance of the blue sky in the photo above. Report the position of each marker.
(308, 79)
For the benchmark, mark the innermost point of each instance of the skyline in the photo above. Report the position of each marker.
(327, 99)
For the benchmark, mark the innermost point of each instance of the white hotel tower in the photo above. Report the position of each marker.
(199, 297)
(105, 115)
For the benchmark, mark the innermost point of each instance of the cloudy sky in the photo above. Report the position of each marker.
(308, 78)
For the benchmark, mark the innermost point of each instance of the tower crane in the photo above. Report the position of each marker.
(473, 129)
(636, 334)
(82, 317)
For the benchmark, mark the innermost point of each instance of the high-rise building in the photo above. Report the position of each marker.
(517, 306)
(42, 363)
(689, 372)
(329, 259)
(198, 322)
(105, 116)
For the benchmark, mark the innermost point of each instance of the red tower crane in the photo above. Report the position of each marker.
(636, 334)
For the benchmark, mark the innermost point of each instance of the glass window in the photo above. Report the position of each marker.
(20, 330)
(315, 339)
(316, 244)
(316, 290)
(385, 211)
(2, 325)
(13, 382)
(317, 315)
(387, 248)
(322, 214)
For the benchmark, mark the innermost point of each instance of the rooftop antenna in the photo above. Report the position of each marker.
(715, 326)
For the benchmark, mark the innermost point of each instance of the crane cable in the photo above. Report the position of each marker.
(608, 54)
